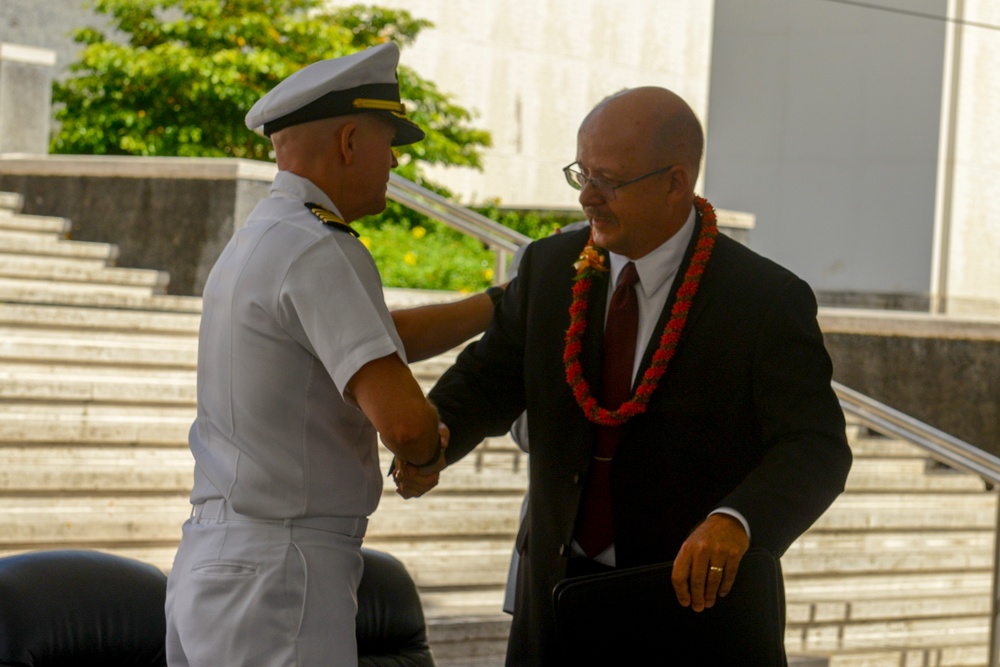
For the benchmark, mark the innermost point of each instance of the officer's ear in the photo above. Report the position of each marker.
(348, 142)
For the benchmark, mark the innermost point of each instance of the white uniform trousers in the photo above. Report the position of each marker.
(263, 593)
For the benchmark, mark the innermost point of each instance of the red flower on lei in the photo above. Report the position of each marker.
(590, 264)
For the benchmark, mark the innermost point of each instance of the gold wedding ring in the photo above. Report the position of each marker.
(715, 568)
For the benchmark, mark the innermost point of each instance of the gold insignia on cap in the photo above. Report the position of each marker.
(330, 218)
(396, 108)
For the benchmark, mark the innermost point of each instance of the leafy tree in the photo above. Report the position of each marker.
(178, 76)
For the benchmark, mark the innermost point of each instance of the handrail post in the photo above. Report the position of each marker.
(501, 258)
(994, 589)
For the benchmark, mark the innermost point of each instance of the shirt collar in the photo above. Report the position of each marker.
(292, 186)
(657, 267)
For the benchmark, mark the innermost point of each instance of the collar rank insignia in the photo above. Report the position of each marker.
(328, 217)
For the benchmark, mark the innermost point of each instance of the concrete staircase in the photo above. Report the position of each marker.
(97, 395)
(898, 571)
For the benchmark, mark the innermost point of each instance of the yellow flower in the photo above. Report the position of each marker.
(410, 258)
(488, 274)
(366, 242)
(418, 232)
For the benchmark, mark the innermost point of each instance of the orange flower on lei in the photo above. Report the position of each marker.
(592, 260)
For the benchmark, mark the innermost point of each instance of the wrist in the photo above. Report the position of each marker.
(434, 459)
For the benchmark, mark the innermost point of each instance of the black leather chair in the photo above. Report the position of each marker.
(61, 608)
(80, 607)
(390, 625)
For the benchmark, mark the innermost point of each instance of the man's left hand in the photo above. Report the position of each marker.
(707, 563)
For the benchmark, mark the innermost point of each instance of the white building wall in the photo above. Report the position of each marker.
(534, 68)
(970, 217)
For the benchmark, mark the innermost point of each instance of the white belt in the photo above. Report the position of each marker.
(220, 510)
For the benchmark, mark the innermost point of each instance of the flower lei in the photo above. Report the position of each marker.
(590, 264)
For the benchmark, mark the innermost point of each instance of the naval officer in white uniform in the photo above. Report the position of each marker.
(299, 365)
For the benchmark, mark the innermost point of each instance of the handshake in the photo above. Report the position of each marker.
(413, 481)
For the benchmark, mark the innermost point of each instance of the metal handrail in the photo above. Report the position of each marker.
(944, 447)
(502, 240)
(947, 449)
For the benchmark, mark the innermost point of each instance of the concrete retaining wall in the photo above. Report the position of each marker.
(170, 214)
(942, 370)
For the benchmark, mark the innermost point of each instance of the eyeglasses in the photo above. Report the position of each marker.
(578, 180)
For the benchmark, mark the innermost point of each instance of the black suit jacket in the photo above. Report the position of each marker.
(744, 417)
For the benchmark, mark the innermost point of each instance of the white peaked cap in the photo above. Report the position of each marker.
(361, 82)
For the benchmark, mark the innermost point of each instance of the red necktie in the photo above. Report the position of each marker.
(596, 527)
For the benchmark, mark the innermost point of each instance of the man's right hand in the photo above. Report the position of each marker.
(413, 482)
(706, 565)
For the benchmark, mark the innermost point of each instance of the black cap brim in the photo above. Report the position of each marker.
(407, 132)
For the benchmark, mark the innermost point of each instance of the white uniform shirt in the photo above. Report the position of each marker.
(292, 309)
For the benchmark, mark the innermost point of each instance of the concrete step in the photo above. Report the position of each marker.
(106, 296)
(77, 384)
(939, 656)
(468, 641)
(68, 349)
(910, 633)
(485, 601)
(38, 224)
(99, 372)
(11, 202)
(77, 271)
(451, 562)
(97, 519)
(48, 245)
(865, 445)
(909, 511)
(59, 470)
(37, 317)
(854, 552)
(886, 585)
(10, 261)
(907, 474)
(53, 468)
(440, 514)
(69, 424)
(950, 606)
(71, 292)
(120, 518)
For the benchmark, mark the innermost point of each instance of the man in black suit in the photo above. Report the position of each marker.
(727, 435)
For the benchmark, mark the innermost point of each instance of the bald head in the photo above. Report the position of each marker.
(307, 141)
(639, 153)
(658, 123)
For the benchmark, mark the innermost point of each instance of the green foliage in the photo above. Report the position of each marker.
(432, 257)
(189, 71)
(535, 224)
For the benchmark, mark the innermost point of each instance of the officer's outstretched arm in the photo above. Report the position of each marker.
(427, 331)
(386, 392)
